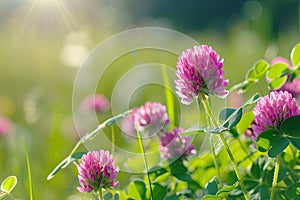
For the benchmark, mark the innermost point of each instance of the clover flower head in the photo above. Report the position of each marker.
(172, 145)
(271, 110)
(199, 70)
(95, 102)
(6, 126)
(97, 170)
(150, 118)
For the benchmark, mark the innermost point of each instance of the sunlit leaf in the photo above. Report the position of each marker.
(136, 189)
(278, 83)
(276, 70)
(245, 122)
(9, 184)
(295, 55)
(258, 70)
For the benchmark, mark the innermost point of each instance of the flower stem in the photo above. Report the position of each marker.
(234, 164)
(208, 119)
(275, 178)
(235, 167)
(99, 194)
(145, 160)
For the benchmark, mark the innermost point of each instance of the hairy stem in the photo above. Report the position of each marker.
(145, 160)
(275, 177)
(213, 150)
(234, 164)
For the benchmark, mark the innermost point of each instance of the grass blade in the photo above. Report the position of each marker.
(29, 170)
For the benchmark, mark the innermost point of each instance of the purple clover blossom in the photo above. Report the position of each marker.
(97, 170)
(6, 126)
(172, 145)
(95, 102)
(271, 110)
(291, 87)
(150, 118)
(200, 71)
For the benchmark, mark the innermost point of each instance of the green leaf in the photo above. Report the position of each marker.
(9, 184)
(212, 187)
(159, 191)
(156, 171)
(211, 197)
(278, 75)
(258, 70)
(295, 142)
(291, 126)
(225, 113)
(276, 70)
(136, 189)
(107, 196)
(177, 168)
(256, 169)
(293, 191)
(278, 147)
(294, 75)
(278, 83)
(226, 189)
(245, 122)
(233, 119)
(252, 100)
(295, 55)
(266, 139)
(261, 192)
(116, 196)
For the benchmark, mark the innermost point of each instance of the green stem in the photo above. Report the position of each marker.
(145, 160)
(235, 167)
(234, 164)
(205, 104)
(275, 178)
(99, 194)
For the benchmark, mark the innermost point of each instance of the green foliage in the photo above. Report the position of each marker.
(72, 157)
(29, 170)
(295, 56)
(214, 193)
(253, 75)
(9, 184)
(136, 189)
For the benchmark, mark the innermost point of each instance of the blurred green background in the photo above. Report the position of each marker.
(44, 42)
